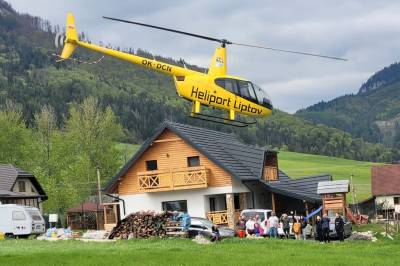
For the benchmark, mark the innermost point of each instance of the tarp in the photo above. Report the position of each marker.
(313, 213)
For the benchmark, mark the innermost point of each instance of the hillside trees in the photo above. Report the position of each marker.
(63, 159)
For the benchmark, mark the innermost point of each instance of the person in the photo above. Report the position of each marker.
(285, 225)
(186, 221)
(241, 227)
(303, 222)
(258, 231)
(215, 235)
(318, 229)
(273, 225)
(339, 227)
(325, 228)
(257, 219)
(250, 226)
(296, 228)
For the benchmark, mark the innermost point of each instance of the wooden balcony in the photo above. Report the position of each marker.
(221, 217)
(270, 173)
(173, 179)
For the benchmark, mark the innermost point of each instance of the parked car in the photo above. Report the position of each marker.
(203, 226)
(18, 220)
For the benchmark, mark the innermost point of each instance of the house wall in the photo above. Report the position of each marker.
(28, 187)
(389, 201)
(197, 199)
(170, 154)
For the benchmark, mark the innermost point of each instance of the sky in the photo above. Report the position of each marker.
(365, 32)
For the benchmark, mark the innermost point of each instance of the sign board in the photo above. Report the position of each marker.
(53, 218)
(397, 208)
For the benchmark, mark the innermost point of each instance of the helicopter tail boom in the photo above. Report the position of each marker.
(71, 40)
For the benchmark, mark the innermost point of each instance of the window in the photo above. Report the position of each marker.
(212, 204)
(21, 186)
(246, 90)
(18, 215)
(228, 84)
(151, 165)
(262, 96)
(178, 205)
(193, 161)
(236, 201)
(396, 200)
(32, 190)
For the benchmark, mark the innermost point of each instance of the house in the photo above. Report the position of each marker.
(209, 174)
(385, 184)
(20, 187)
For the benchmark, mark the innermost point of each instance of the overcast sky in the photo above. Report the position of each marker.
(365, 32)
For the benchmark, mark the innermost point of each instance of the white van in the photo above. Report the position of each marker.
(264, 215)
(19, 220)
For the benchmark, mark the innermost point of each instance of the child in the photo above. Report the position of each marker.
(258, 231)
(215, 233)
(296, 228)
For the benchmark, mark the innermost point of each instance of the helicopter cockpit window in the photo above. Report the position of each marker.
(228, 84)
(246, 90)
(262, 97)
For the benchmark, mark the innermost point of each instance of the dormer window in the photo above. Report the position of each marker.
(271, 167)
(21, 186)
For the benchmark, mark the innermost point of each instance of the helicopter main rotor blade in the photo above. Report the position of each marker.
(223, 41)
(289, 51)
(171, 30)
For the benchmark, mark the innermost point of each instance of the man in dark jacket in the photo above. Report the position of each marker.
(318, 229)
(339, 227)
(325, 228)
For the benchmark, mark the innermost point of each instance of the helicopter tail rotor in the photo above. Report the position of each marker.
(71, 40)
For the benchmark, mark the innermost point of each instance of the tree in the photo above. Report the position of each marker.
(14, 136)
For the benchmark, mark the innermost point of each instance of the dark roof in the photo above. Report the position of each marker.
(385, 180)
(9, 175)
(242, 161)
(303, 188)
(86, 207)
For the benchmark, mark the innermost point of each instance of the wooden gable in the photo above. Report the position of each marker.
(171, 152)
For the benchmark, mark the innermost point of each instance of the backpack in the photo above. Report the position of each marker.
(296, 228)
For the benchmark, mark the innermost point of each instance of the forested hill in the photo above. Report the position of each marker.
(141, 99)
(373, 114)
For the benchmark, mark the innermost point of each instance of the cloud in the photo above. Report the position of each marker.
(366, 32)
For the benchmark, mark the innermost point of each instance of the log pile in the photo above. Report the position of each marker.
(146, 224)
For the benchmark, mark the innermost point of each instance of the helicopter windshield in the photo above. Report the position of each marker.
(245, 89)
(262, 97)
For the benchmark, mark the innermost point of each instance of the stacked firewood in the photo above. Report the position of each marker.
(143, 224)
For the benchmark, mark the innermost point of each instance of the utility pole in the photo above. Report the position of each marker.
(98, 184)
(353, 190)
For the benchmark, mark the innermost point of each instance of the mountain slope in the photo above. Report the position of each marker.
(373, 114)
(141, 99)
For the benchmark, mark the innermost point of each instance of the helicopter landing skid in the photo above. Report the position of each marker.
(221, 120)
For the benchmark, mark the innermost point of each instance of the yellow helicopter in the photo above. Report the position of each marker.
(214, 89)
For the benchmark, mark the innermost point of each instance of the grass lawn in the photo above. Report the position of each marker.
(186, 252)
(299, 164)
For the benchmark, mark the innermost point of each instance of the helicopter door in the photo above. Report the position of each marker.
(228, 84)
(247, 91)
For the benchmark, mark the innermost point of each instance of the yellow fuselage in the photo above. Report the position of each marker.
(200, 88)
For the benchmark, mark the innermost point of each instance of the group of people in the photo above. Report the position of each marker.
(298, 225)
(322, 226)
(253, 226)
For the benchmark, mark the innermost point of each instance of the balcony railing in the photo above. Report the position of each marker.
(221, 217)
(173, 179)
(270, 173)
